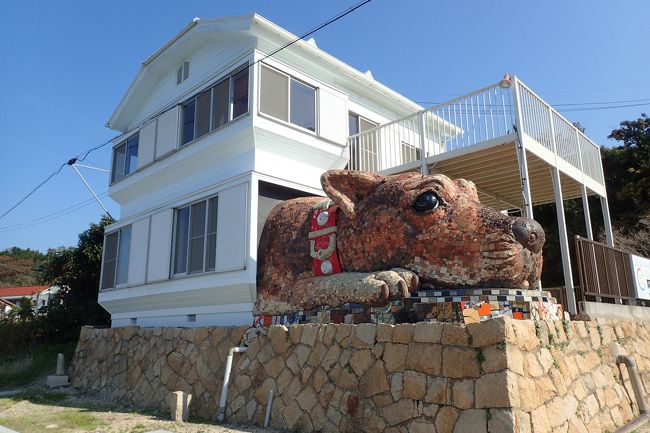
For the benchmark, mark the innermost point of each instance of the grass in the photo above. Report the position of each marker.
(72, 419)
(21, 369)
(48, 412)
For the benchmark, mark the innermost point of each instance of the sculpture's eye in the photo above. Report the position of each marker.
(426, 201)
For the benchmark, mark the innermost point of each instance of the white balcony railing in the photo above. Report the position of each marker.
(487, 114)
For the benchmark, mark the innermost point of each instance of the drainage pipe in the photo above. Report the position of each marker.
(638, 394)
(226, 380)
(267, 418)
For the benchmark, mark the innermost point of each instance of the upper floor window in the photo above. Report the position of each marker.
(125, 158)
(288, 99)
(183, 72)
(195, 237)
(115, 267)
(223, 102)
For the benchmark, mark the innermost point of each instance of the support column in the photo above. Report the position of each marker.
(607, 221)
(521, 153)
(564, 241)
(423, 145)
(586, 211)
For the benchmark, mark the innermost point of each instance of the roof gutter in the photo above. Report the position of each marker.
(187, 28)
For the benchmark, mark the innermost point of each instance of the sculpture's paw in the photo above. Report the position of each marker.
(400, 282)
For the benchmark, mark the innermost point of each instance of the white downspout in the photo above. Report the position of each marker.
(226, 380)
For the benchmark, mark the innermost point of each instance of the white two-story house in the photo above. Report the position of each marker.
(216, 132)
(229, 117)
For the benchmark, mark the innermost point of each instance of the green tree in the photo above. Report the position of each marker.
(627, 174)
(76, 270)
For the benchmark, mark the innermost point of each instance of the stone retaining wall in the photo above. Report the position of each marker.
(499, 376)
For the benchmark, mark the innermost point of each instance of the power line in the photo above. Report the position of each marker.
(567, 104)
(603, 108)
(51, 216)
(56, 172)
(85, 154)
(317, 28)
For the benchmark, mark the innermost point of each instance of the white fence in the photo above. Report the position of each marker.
(486, 114)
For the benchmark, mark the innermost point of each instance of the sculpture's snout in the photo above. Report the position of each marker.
(529, 233)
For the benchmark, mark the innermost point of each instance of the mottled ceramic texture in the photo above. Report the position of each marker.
(387, 246)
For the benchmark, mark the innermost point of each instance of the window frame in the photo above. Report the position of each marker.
(125, 169)
(288, 102)
(360, 149)
(188, 238)
(117, 258)
(230, 77)
(183, 72)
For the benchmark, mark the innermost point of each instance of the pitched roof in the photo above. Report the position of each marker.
(10, 292)
(199, 31)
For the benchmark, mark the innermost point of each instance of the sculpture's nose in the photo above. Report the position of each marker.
(529, 233)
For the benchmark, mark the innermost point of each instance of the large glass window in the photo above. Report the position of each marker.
(188, 121)
(303, 105)
(195, 237)
(288, 99)
(223, 102)
(125, 158)
(115, 267)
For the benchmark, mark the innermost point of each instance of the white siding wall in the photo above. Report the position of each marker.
(138, 252)
(147, 144)
(232, 228)
(167, 132)
(333, 114)
(160, 244)
(212, 60)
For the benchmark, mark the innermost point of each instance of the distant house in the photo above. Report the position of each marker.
(221, 123)
(13, 297)
(6, 307)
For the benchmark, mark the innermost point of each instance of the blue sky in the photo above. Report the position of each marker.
(66, 64)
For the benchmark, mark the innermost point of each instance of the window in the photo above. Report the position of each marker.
(363, 151)
(409, 153)
(125, 158)
(213, 108)
(191, 317)
(115, 268)
(195, 237)
(288, 99)
(183, 72)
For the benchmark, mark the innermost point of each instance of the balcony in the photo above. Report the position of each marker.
(490, 136)
(514, 146)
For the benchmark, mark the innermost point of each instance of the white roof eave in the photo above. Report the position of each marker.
(242, 23)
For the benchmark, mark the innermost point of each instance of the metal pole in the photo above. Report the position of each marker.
(608, 222)
(423, 156)
(91, 191)
(564, 241)
(521, 153)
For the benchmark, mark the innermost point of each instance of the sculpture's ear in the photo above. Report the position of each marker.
(349, 188)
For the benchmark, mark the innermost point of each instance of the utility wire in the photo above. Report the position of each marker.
(317, 28)
(56, 172)
(85, 154)
(51, 216)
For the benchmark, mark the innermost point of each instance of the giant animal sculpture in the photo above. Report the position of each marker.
(377, 238)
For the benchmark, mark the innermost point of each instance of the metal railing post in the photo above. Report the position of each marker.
(423, 157)
(521, 152)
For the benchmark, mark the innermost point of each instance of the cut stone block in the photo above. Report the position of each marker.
(57, 380)
(179, 405)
